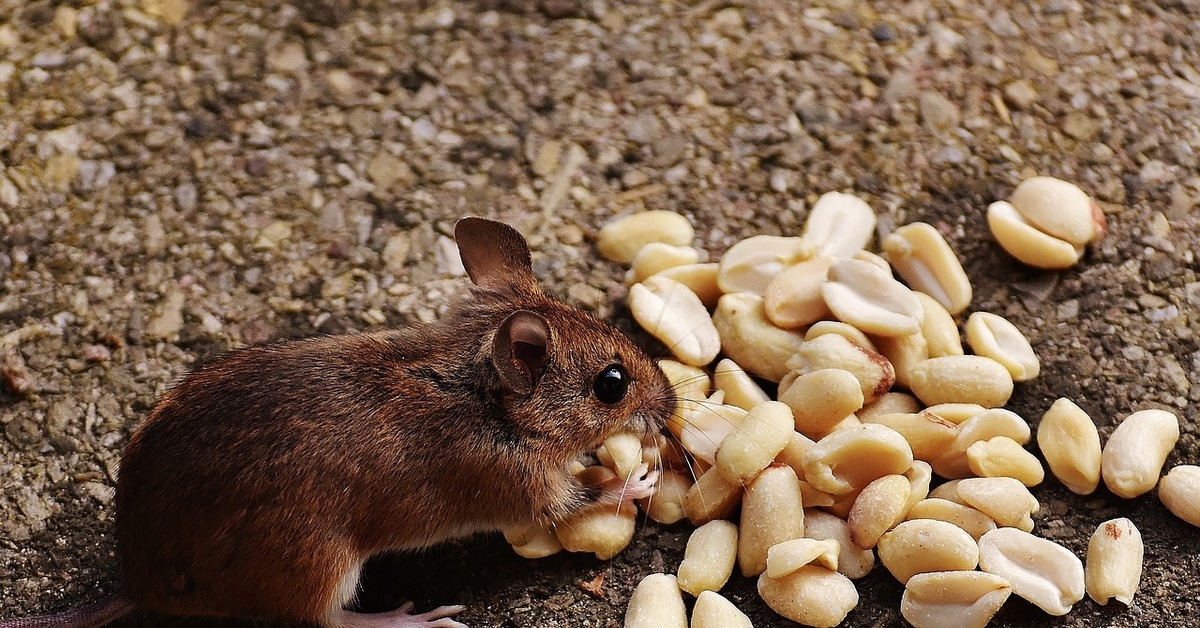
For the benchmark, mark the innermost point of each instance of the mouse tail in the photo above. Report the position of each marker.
(99, 614)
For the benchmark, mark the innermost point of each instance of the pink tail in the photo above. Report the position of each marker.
(99, 614)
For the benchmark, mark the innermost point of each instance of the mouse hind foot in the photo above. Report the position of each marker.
(441, 617)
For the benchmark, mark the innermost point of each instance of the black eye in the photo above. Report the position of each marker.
(611, 384)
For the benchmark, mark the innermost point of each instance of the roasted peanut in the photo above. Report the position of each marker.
(1114, 562)
(1135, 453)
(1039, 570)
(709, 557)
(621, 239)
(924, 545)
(1071, 445)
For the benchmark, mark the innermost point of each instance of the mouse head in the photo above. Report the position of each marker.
(566, 378)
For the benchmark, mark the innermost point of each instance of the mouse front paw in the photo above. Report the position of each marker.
(640, 484)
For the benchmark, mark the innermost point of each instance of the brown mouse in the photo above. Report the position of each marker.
(261, 483)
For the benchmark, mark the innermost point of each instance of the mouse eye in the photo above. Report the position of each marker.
(611, 384)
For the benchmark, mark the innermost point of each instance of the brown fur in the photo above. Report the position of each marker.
(260, 481)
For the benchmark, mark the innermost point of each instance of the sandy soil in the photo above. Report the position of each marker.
(178, 178)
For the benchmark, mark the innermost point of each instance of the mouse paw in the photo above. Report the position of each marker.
(641, 484)
(440, 617)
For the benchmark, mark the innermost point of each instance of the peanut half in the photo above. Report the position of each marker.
(656, 603)
(751, 265)
(1135, 453)
(749, 338)
(714, 611)
(1071, 445)
(674, 314)
(963, 599)
(921, 256)
(863, 295)
(812, 595)
(924, 545)
(995, 337)
(772, 513)
(1039, 570)
(839, 225)
(709, 557)
(621, 239)
(1114, 562)
(1179, 491)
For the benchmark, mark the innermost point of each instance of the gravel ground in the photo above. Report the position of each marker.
(179, 178)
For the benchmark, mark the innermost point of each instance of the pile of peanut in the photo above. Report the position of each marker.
(875, 397)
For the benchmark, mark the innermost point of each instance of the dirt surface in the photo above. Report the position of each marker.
(179, 178)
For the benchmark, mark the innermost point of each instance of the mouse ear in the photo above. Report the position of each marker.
(495, 255)
(519, 350)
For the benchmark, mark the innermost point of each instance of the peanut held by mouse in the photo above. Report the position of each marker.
(260, 484)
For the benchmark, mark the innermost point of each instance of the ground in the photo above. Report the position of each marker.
(180, 177)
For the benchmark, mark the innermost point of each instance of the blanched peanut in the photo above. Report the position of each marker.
(1025, 242)
(656, 257)
(938, 328)
(708, 426)
(533, 541)
(714, 611)
(847, 460)
(927, 434)
(861, 294)
(1114, 562)
(1059, 208)
(666, 504)
(850, 332)
(603, 530)
(788, 556)
(1005, 500)
(740, 389)
(772, 513)
(793, 298)
(969, 519)
(1039, 570)
(656, 603)
(994, 337)
(921, 256)
(711, 497)
(1133, 457)
(674, 314)
(623, 451)
(750, 265)
(874, 373)
(888, 403)
(812, 595)
(621, 239)
(881, 505)
(919, 476)
(1071, 445)
(963, 599)
(1004, 457)
(924, 545)
(867, 256)
(709, 557)
(1179, 491)
(953, 463)
(764, 433)
(853, 562)
(688, 383)
(839, 225)
(699, 278)
(749, 339)
(821, 399)
(961, 379)
(947, 491)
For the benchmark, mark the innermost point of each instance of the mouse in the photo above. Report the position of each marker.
(259, 484)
